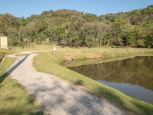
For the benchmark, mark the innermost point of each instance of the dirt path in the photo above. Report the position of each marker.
(59, 97)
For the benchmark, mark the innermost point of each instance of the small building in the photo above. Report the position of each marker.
(3, 42)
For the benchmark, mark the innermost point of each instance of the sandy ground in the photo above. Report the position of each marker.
(57, 96)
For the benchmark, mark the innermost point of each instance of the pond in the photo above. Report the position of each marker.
(133, 76)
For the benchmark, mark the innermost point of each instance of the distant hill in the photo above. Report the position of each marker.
(73, 28)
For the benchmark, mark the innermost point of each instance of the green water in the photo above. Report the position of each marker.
(132, 76)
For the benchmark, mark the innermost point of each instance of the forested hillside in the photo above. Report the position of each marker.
(75, 29)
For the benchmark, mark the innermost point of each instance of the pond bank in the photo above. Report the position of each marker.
(133, 76)
(48, 63)
(59, 97)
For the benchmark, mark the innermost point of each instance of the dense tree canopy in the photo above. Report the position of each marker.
(76, 29)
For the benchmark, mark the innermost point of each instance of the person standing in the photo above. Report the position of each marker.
(54, 50)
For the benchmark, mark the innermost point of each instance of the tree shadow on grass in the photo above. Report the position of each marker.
(10, 70)
(18, 110)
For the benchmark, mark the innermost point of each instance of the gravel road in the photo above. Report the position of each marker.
(57, 96)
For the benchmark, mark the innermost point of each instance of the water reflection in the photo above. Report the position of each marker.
(133, 76)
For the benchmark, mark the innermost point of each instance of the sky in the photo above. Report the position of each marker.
(25, 8)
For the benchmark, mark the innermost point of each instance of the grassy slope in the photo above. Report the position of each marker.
(3, 50)
(2, 53)
(48, 63)
(14, 100)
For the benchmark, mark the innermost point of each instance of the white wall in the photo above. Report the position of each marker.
(3, 42)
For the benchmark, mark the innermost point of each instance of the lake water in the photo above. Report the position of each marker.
(132, 76)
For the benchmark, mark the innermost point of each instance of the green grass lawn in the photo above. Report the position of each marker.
(14, 99)
(2, 53)
(51, 64)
